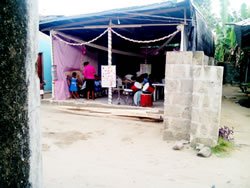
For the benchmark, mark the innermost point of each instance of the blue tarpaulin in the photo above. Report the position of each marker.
(141, 23)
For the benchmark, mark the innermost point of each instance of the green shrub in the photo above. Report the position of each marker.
(223, 148)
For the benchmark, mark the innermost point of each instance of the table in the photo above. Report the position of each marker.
(125, 92)
(156, 92)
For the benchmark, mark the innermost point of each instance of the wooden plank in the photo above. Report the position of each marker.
(127, 117)
(107, 112)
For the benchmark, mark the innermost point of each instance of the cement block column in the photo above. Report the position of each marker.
(178, 95)
(20, 151)
(206, 104)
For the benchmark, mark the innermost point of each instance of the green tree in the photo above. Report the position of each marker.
(224, 4)
(244, 12)
(225, 35)
(205, 7)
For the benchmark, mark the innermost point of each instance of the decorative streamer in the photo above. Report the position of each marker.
(109, 61)
(54, 34)
(146, 41)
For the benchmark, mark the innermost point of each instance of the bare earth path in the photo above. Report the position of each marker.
(86, 151)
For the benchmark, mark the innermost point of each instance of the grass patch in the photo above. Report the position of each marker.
(223, 148)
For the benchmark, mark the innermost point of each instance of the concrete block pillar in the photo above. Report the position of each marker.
(206, 104)
(20, 151)
(193, 93)
(178, 95)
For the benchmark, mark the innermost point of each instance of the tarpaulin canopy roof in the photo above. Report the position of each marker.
(140, 23)
(242, 31)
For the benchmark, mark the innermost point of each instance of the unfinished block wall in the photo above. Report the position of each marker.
(192, 98)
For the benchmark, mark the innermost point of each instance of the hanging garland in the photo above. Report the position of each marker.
(147, 41)
(54, 34)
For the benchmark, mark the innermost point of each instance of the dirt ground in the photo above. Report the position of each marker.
(98, 152)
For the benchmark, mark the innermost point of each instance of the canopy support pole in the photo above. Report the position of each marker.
(182, 38)
(52, 64)
(109, 60)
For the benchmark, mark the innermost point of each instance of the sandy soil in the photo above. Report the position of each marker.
(86, 151)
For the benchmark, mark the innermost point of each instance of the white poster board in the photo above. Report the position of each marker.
(108, 76)
(145, 68)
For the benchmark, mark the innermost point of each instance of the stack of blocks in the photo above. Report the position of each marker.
(193, 91)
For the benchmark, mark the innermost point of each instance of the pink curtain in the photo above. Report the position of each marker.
(66, 58)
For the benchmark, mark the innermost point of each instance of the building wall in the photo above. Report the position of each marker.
(20, 148)
(44, 47)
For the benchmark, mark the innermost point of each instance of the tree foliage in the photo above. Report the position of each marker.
(244, 12)
(225, 35)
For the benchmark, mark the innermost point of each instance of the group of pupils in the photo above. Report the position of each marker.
(89, 74)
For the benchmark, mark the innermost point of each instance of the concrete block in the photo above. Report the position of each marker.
(176, 124)
(204, 130)
(208, 116)
(196, 100)
(172, 86)
(208, 73)
(206, 60)
(169, 69)
(211, 101)
(168, 99)
(211, 61)
(186, 86)
(204, 126)
(179, 57)
(170, 135)
(206, 101)
(204, 116)
(172, 111)
(181, 99)
(177, 111)
(180, 125)
(166, 122)
(200, 87)
(198, 58)
(194, 126)
(206, 141)
(216, 103)
(182, 136)
(214, 131)
(195, 114)
(186, 113)
(178, 71)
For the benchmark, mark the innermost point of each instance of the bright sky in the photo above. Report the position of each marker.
(74, 7)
